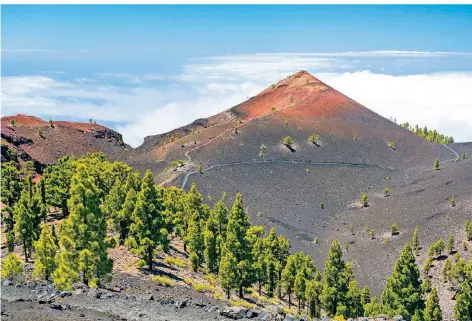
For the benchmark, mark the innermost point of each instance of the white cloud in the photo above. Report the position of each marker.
(140, 106)
(442, 101)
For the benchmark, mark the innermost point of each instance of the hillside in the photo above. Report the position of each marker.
(30, 138)
(241, 150)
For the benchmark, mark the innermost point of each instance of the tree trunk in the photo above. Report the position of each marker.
(299, 305)
(241, 291)
(227, 293)
(260, 288)
(26, 251)
(149, 259)
(289, 300)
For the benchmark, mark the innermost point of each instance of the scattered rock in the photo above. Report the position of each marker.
(251, 314)
(60, 307)
(398, 318)
(7, 282)
(234, 313)
(179, 304)
(63, 294)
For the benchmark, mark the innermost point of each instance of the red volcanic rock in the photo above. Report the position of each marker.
(35, 139)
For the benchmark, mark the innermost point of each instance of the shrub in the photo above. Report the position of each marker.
(259, 214)
(261, 154)
(364, 200)
(436, 163)
(188, 280)
(386, 190)
(200, 168)
(356, 137)
(286, 310)
(140, 264)
(450, 244)
(263, 146)
(452, 200)
(12, 122)
(391, 144)
(242, 303)
(200, 287)
(387, 178)
(51, 123)
(463, 155)
(436, 248)
(322, 205)
(394, 229)
(162, 280)
(351, 229)
(287, 141)
(41, 133)
(210, 278)
(273, 108)
(314, 139)
(307, 170)
(372, 234)
(427, 265)
(175, 261)
(219, 296)
(315, 240)
(12, 266)
(464, 245)
(427, 285)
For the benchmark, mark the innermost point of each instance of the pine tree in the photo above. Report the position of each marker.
(403, 292)
(12, 266)
(373, 308)
(211, 251)
(193, 205)
(45, 250)
(57, 182)
(313, 292)
(365, 295)
(122, 219)
(446, 269)
(415, 243)
(114, 200)
(289, 274)
(450, 244)
(364, 200)
(463, 307)
(300, 288)
(258, 249)
(195, 241)
(227, 272)
(335, 282)
(86, 226)
(432, 310)
(25, 224)
(355, 307)
(10, 237)
(42, 190)
(236, 242)
(145, 231)
(216, 223)
(436, 163)
(11, 192)
(67, 265)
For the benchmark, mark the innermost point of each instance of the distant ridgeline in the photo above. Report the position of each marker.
(430, 135)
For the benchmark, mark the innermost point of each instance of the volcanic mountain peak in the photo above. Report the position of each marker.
(21, 120)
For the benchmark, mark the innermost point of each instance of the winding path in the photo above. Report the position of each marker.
(187, 175)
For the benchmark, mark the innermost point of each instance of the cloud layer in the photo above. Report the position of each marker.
(141, 105)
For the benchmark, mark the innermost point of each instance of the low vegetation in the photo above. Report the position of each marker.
(429, 135)
(162, 280)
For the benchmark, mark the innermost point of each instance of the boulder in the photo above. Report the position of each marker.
(235, 313)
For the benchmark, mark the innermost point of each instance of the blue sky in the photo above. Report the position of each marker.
(144, 69)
